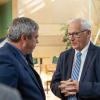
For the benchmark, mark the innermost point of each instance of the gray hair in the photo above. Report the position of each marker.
(21, 26)
(85, 24)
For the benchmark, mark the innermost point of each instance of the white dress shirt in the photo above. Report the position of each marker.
(83, 57)
(3, 42)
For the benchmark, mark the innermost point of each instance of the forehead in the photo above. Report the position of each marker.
(74, 26)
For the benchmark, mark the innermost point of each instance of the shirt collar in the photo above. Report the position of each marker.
(85, 49)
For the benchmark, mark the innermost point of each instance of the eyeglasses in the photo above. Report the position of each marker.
(75, 34)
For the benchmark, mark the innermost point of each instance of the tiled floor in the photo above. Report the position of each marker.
(50, 96)
(47, 77)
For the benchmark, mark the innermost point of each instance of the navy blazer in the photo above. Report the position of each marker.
(15, 72)
(89, 85)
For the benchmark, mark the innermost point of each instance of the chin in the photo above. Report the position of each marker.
(74, 47)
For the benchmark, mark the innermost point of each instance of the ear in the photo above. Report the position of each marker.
(89, 33)
(23, 37)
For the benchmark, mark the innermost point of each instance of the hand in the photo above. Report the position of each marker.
(69, 87)
(76, 84)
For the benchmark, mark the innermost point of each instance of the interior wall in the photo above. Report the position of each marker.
(50, 15)
(14, 8)
(48, 47)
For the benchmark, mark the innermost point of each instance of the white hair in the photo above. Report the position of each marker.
(85, 24)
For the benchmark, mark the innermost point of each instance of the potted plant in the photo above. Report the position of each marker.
(66, 40)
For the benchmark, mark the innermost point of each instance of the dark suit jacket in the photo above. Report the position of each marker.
(89, 86)
(15, 72)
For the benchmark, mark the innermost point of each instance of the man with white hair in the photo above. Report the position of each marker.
(77, 76)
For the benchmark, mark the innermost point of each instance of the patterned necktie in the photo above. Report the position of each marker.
(75, 71)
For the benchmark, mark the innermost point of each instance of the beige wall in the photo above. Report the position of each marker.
(50, 16)
(48, 47)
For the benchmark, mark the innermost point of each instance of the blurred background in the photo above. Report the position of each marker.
(52, 17)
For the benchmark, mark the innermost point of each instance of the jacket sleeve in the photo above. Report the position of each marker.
(57, 78)
(8, 72)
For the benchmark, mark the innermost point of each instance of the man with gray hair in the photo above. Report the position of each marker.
(77, 76)
(6, 92)
(15, 71)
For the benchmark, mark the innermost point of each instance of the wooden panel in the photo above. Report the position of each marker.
(51, 40)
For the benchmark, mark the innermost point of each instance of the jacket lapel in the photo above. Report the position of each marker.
(39, 81)
(23, 62)
(88, 60)
(68, 64)
(28, 68)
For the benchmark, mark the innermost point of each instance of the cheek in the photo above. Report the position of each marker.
(77, 43)
(83, 42)
(29, 44)
(33, 43)
(24, 45)
(83, 39)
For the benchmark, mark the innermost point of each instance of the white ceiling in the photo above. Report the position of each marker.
(51, 14)
(59, 11)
